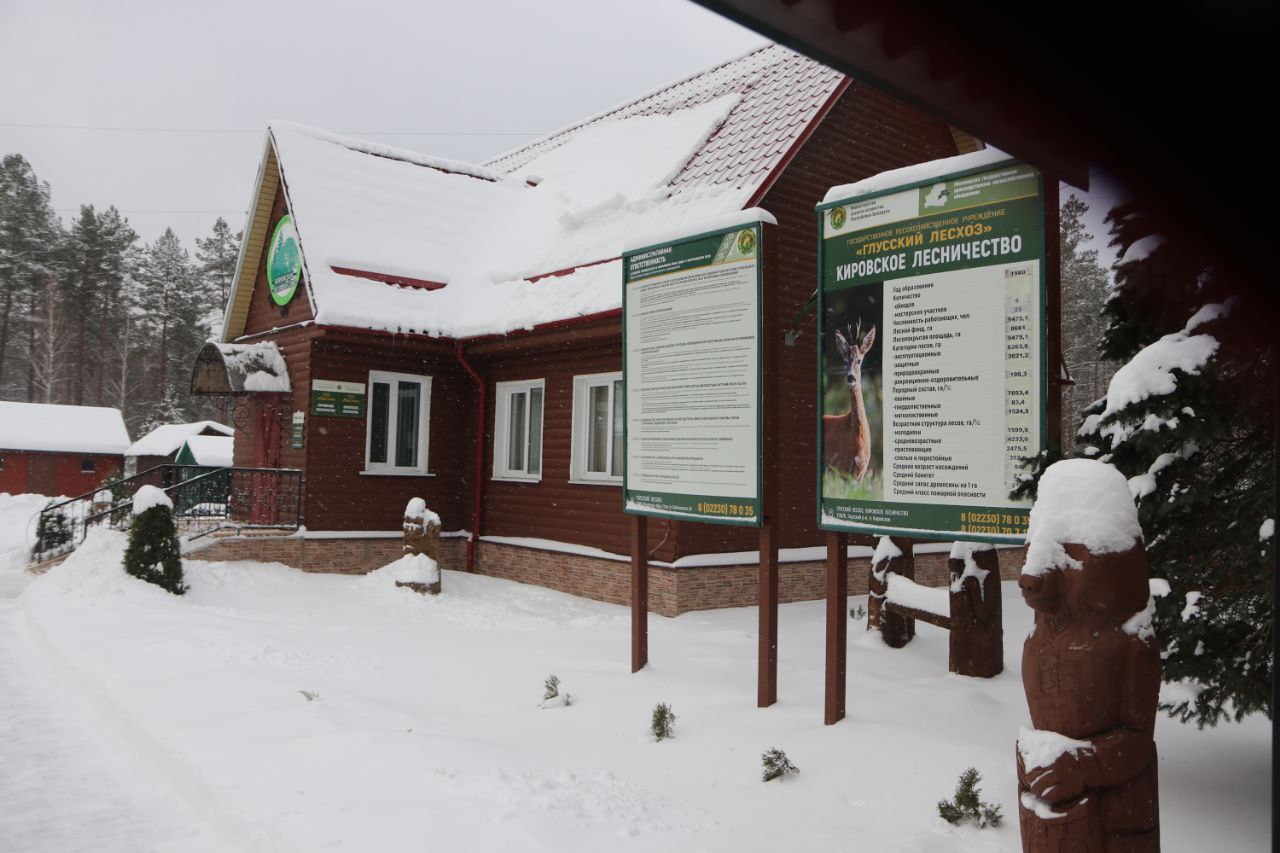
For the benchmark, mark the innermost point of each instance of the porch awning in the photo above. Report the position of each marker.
(240, 369)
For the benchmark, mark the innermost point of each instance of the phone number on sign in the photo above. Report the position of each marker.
(732, 510)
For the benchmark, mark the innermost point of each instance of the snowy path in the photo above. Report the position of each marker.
(271, 710)
(65, 785)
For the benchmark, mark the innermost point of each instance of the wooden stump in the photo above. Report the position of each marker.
(977, 631)
(895, 629)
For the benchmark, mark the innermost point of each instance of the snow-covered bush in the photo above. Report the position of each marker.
(53, 532)
(153, 554)
(775, 765)
(967, 807)
(663, 722)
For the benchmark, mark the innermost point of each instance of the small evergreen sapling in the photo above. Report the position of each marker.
(967, 807)
(663, 723)
(776, 765)
(153, 554)
(551, 695)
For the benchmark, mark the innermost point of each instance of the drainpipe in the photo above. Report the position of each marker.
(479, 476)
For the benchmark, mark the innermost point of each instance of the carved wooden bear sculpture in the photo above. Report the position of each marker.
(1091, 671)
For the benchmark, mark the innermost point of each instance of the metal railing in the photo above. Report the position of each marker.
(205, 500)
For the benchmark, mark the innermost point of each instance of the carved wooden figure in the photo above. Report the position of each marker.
(977, 630)
(422, 536)
(1091, 671)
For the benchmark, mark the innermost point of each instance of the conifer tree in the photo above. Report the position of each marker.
(1085, 287)
(1190, 419)
(216, 257)
(119, 259)
(967, 806)
(30, 239)
(153, 554)
(171, 309)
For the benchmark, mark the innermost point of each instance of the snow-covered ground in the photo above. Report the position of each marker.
(270, 709)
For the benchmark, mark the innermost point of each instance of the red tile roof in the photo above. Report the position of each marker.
(781, 94)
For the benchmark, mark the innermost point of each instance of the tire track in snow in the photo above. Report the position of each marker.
(65, 784)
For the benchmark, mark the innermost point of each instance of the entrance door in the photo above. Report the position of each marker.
(265, 416)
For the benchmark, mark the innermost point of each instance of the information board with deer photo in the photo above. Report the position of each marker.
(931, 382)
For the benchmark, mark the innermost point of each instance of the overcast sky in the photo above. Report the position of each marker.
(160, 107)
(196, 84)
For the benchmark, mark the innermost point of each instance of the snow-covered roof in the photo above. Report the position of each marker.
(62, 429)
(692, 151)
(240, 368)
(167, 438)
(212, 450)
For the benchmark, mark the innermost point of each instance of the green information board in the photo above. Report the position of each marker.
(337, 399)
(691, 345)
(931, 375)
(284, 262)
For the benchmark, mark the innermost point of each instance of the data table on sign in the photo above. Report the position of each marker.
(960, 392)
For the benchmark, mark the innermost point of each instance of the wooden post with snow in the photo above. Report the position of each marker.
(976, 643)
(894, 555)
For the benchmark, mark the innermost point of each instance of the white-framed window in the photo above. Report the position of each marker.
(517, 434)
(597, 429)
(397, 414)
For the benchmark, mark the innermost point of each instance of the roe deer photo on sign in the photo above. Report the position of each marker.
(852, 396)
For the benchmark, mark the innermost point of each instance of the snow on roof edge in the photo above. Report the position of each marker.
(377, 149)
(916, 173)
(722, 222)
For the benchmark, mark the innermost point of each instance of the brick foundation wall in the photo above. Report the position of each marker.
(676, 591)
(671, 591)
(337, 556)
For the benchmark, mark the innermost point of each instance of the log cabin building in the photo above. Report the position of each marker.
(453, 332)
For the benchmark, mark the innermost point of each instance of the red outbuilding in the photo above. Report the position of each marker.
(49, 449)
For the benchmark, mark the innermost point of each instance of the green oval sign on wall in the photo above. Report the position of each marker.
(284, 262)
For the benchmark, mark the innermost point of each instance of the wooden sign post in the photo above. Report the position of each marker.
(639, 592)
(837, 625)
(724, 276)
(767, 593)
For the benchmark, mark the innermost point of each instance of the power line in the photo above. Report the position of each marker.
(77, 210)
(260, 130)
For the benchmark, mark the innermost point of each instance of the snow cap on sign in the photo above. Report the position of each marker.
(917, 173)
